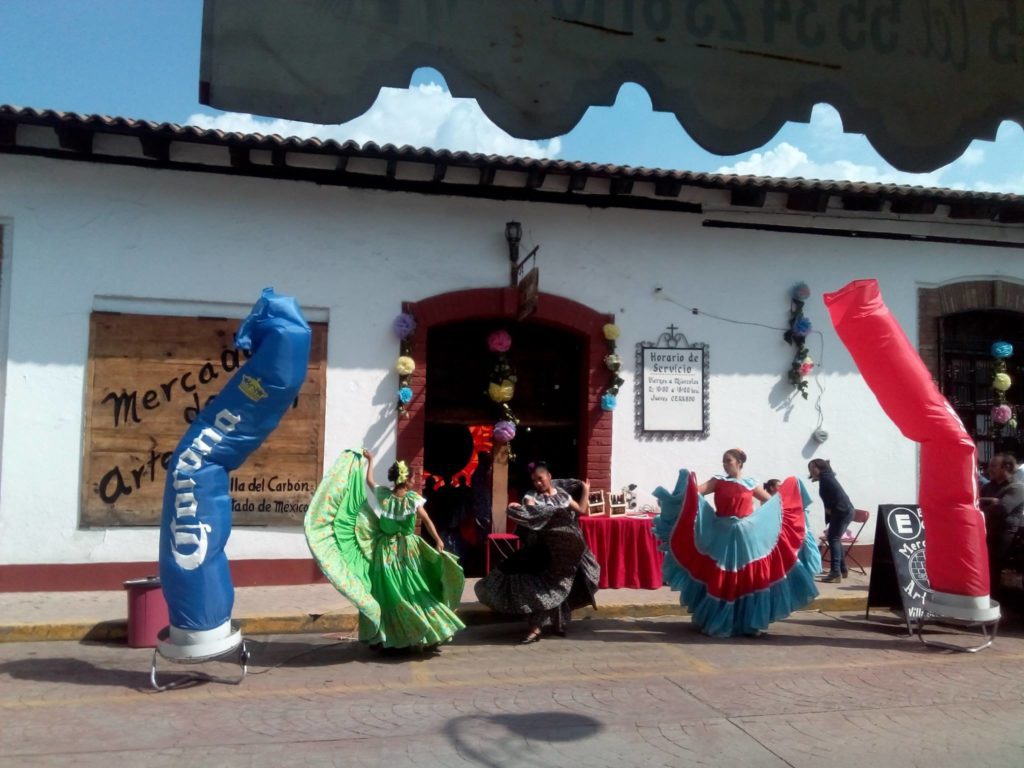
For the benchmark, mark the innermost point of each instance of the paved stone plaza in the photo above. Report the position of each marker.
(653, 692)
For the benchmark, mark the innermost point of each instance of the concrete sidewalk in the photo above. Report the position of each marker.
(102, 616)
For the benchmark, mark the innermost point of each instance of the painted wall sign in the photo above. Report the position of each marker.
(672, 387)
(148, 378)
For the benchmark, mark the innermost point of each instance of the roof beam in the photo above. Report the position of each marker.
(535, 178)
(807, 201)
(668, 187)
(863, 203)
(156, 148)
(75, 138)
(8, 133)
(620, 186)
(912, 206)
(577, 181)
(748, 197)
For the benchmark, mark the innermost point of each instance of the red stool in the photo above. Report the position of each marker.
(504, 543)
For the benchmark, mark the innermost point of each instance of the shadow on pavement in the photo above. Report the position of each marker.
(79, 672)
(276, 654)
(508, 739)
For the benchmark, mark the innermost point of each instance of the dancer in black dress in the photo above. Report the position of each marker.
(554, 571)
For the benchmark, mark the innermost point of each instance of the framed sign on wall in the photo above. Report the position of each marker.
(671, 394)
(148, 376)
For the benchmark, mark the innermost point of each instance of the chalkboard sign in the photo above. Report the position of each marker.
(672, 388)
(898, 577)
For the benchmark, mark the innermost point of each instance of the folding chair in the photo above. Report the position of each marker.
(504, 544)
(849, 540)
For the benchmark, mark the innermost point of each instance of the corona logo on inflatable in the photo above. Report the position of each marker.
(196, 521)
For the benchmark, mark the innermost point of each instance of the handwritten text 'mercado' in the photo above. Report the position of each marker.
(186, 506)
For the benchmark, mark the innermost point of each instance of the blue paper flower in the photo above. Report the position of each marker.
(404, 326)
(405, 395)
(1002, 349)
(608, 402)
(802, 326)
(800, 292)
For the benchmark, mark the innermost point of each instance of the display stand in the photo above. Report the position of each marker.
(899, 582)
(196, 647)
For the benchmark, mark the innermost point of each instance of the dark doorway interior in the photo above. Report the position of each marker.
(549, 364)
(966, 364)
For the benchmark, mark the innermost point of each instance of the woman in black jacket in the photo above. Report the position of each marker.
(838, 515)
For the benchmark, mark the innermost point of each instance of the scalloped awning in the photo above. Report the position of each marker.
(920, 79)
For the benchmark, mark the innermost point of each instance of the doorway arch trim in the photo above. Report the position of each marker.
(502, 304)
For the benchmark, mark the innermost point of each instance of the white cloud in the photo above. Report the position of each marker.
(972, 156)
(421, 116)
(786, 160)
(834, 155)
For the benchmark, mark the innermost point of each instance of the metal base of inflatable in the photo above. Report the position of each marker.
(182, 646)
(960, 612)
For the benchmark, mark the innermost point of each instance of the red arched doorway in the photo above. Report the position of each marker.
(594, 441)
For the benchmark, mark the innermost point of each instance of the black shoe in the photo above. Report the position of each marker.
(846, 573)
(832, 578)
(533, 637)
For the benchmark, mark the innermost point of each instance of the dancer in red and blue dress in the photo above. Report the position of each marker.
(737, 568)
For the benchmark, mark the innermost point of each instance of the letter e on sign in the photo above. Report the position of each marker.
(904, 524)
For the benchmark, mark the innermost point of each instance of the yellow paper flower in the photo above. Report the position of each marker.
(405, 365)
(501, 393)
(611, 331)
(1001, 382)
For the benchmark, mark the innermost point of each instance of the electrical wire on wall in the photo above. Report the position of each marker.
(819, 434)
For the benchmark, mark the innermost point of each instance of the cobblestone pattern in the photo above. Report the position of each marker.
(615, 693)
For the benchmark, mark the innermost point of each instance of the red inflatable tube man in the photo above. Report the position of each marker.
(956, 558)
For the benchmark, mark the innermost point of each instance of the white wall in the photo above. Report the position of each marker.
(81, 234)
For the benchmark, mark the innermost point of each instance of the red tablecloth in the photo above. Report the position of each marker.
(627, 551)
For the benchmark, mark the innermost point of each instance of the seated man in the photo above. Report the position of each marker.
(1002, 501)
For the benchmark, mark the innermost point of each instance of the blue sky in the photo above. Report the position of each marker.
(140, 59)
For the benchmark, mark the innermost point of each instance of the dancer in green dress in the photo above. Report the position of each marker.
(405, 590)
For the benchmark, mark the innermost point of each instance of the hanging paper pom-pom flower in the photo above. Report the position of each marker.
(1001, 382)
(608, 402)
(806, 367)
(404, 326)
(1002, 349)
(405, 365)
(800, 292)
(1012, 423)
(504, 432)
(802, 326)
(499, 341)
(503, 392)
(1001, 414)
(613, 363)
(405, 395)
(611, 331)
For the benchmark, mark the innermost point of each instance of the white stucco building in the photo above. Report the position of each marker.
(106, 215)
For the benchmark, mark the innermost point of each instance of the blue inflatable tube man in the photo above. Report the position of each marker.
(196, 519)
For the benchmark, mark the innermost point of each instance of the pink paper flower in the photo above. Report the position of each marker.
(1002, 414)
(499, 341)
